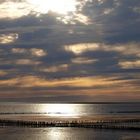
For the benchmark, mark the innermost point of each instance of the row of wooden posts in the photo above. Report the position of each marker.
(118, 124)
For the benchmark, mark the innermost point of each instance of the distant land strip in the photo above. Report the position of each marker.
(34, 113)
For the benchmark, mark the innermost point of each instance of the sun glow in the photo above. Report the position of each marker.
(58, 6)
(62, 110)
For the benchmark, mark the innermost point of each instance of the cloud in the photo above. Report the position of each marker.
(130, 64)
(59, 68)
(117, 19)
(136, 9)
(38, 52)
(3, 73)
(27, 62)
(96, 88)
(33, 51)
(8, 38)
(13, 10)
(83, 60)
(61, 7)
(92, 51)
(18, 50)
(18, 9)
(126, 49)
(76, 82)
(80, 48)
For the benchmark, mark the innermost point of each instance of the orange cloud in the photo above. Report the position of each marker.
(125, 49)
(130, 64)
(62, 67)
(27, 62)
(3, 73)
(83, 60)
(84, 82)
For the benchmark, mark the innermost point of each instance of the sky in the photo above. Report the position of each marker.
(69, 50)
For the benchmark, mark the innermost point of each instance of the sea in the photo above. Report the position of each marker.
(68, 110)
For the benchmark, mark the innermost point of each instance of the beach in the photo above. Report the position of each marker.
(69, 121)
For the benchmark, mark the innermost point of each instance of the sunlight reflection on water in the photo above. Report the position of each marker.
(66, 134)
(60, 110)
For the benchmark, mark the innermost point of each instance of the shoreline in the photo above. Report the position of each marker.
(40, 117)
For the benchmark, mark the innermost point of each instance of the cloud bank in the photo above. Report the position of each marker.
(90, 53)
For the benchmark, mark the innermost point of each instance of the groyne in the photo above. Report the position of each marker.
(131, 124)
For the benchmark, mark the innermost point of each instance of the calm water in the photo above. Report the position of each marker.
(71, 109)
(16, 133)
(66, 134)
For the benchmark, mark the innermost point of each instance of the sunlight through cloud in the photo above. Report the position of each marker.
(81, 48)
(13, 10)
(38, 52)
(8, 38)
(66, 11)
(129, 64)
(83, 60)
(58, 6)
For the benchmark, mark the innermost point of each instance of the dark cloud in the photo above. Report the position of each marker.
(119, 19)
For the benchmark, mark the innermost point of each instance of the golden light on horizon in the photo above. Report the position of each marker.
(63, 110)
(58, 6)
